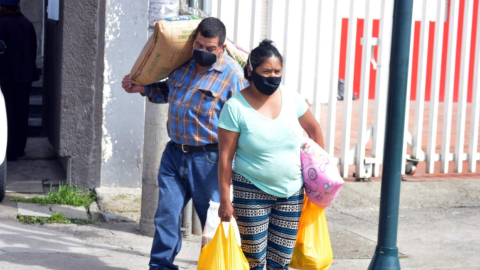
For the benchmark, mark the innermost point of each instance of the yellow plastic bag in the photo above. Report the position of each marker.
(313, 250)
(223, 253)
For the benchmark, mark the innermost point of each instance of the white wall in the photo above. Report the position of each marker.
(123, 114)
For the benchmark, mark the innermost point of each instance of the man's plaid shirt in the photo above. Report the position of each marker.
(195, 103)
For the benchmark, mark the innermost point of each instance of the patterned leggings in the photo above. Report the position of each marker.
(268, 224)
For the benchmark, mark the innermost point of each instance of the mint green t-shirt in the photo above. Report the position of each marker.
(268, 150)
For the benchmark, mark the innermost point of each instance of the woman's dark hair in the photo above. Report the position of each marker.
(265, 50)
(211, 28)
(10, 11)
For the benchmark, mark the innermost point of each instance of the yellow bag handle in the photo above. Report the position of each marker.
(223, 252)
(212, 256)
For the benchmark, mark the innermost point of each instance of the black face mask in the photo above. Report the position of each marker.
(266, 85)
(204, 58)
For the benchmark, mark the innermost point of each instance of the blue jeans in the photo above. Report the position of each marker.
(181, 177)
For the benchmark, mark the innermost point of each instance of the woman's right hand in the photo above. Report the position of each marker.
(226, 211)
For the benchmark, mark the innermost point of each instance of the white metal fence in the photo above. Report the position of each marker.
(450, 14)
(250, 21)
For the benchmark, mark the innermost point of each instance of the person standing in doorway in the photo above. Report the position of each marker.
(17, 72)
(196, 93)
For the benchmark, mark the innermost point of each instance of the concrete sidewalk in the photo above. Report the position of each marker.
(439, 229)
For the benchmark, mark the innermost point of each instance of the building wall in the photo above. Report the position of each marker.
(78, 113)
(126, 32)
(52, 79)
(89, 119)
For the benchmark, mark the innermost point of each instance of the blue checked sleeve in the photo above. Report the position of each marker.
(237, 86)
(241, 84)
(157, 92)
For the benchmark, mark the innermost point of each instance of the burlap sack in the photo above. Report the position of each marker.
(171, 46)
(237, 53)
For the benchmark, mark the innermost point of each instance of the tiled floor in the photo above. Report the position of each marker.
(420, 173)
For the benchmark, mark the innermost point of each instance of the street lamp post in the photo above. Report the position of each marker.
(386, 253)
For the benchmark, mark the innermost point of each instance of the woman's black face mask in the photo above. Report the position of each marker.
(266, 85)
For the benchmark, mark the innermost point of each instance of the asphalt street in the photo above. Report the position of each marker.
(435, 232)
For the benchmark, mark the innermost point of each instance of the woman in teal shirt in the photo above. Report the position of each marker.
(262, 127)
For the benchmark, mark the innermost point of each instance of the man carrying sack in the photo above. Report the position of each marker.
(196, 93)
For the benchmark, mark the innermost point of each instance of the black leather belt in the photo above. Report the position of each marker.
(191, 149)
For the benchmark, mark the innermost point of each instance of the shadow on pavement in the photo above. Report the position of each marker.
(17, 238)
(57, 261)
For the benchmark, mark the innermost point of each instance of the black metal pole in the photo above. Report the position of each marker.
(386, 253)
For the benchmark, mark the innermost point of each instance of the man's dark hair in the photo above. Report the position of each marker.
(10, 11)
(265, 50)
(211, 28)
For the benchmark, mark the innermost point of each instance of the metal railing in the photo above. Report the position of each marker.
(250, 21)
(246, 17)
